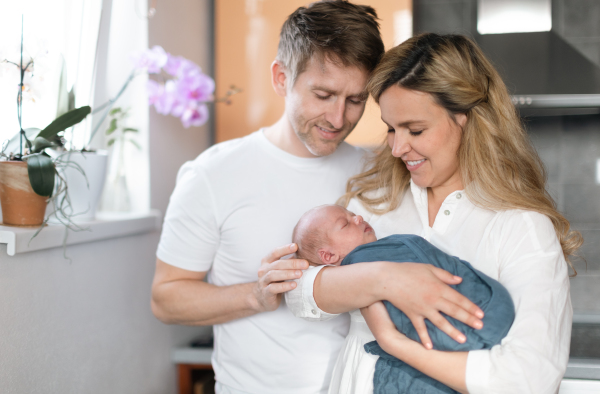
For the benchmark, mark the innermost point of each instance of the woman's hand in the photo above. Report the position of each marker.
(421, 291)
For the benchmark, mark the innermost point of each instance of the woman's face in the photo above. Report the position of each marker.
(424, 136)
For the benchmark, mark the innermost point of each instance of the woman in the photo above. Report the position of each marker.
(459, 170)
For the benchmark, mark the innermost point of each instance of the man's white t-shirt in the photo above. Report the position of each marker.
(231, 206)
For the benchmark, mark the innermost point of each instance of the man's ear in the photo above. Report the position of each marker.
(328, 257)
(279, 78)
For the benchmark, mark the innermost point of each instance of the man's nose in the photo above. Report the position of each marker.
(400, 145)
(335, 114)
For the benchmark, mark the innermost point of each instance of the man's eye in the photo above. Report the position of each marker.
(415, 132)
(322, 97)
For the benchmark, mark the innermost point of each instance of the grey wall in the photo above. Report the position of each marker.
(182, 28)
(568, 145)
(578, 22)
(83, 326)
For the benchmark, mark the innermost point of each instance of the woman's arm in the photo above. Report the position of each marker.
(446, 367)
(421, 291)
(533, 357)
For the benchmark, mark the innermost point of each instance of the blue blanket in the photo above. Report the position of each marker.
(394, 376)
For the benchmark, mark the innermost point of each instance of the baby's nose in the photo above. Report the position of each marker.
(358, 219)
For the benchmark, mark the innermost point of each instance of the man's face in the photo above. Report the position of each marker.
(325, 104)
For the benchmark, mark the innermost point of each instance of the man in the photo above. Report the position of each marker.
(243, 197)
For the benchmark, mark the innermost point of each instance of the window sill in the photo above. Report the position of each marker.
(106, 226)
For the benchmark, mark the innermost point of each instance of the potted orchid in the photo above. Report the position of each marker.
(29, 177)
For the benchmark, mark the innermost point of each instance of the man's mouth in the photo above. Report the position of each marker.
(328, 134)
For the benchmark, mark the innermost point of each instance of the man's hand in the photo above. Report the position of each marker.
(424, 293)
(275, 277)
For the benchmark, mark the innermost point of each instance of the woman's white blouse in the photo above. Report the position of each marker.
(519, 249)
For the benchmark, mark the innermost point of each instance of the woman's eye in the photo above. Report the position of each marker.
(391, 131)
(415, 132)
(322, 97)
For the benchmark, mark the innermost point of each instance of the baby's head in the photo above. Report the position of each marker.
(326, 234)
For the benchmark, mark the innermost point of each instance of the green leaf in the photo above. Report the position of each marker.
(63, 94)
(41, 174)
(111, 141)
(39, 144)
(130, 129)
(112, 127)
(65, 121)
(115, 111)
(135, 144)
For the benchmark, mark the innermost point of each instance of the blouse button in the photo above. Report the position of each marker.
(314, 312)
(458, 196)
(446, 212)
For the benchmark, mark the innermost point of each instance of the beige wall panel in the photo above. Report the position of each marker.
(247, 34)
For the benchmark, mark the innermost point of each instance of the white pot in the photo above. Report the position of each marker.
(84, 199)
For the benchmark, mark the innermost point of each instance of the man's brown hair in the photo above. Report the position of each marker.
(335, 30)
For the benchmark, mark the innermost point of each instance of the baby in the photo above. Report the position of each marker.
(326, 234)
(332, 235)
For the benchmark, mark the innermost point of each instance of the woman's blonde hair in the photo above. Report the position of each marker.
(499, 167)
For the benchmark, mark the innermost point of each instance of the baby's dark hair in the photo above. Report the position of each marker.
(308, 239)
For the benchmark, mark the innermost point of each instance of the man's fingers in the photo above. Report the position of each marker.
(421, 328)
(287, 264)
(281, 287)
(440, 322)
(279, 252)
(280, 275)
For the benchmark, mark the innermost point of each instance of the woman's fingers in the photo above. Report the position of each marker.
(458, 299)
(421, 328)
(440, 322)
(450, 308)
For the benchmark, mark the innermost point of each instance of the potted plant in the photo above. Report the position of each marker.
(28, 175)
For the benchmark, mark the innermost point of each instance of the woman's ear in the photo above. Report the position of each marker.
(279, 78)
(461, 119)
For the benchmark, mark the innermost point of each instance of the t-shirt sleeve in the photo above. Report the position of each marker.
(533, 357)
(190, 233)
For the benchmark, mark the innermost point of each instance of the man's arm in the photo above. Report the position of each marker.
(182, 297)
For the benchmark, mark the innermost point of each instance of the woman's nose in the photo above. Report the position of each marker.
(399, 145)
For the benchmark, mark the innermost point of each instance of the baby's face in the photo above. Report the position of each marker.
(345, 230)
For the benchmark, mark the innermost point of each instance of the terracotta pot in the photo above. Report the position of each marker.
(21, 206)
